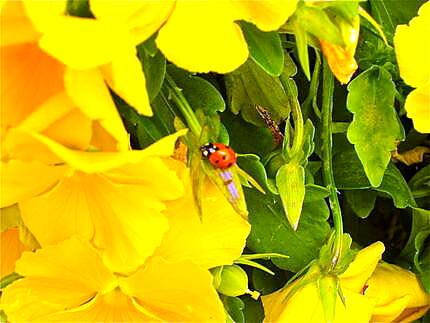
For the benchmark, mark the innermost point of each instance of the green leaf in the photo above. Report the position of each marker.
(316, 22)
(420, 223)
(250, 86)
(346, 9)
(302, 48)
(245, 137)
(361, 202)
(394, 184)
(199, 93)
(271, 232)
(252, 165)
(375, 129)
(234, 307)
(290, 181)
(390, 14)
(315, 193)
(154, 67)
(266, 283)
(420, 187)
(422, 258)
(265, 48)
(254, 311)
(349, 174)
(146, 130)
(348, 171)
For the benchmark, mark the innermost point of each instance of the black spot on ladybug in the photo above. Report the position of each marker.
(216, 161)
(230, 164)
(224, 157)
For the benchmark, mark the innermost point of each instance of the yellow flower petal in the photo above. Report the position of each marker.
(142, 18)
(43, 14)
(90, 94)
(166, 185)
(412, 48)
(123, 220)
(296, 308)
(359, 271)
(84, 43)
(102, 139)
(266, 15)
(11, 249)
(52, 110)
(16, 184)
(412, 314)
(391, 302)
(64, 131)
(56, 278)
(342, 62)
(216, 240)
(201, 36)
(20, 145)
(28, 78)
(417, 106)
(97, 162)
(15, 26)
(114, 306)
(57, 118)
(175, 291)
(125, 76)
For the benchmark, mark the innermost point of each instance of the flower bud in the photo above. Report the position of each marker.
(230, 280)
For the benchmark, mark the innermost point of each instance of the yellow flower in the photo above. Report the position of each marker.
(46, 52)
(203, 36)
(70, 282)
(412, 48)
(341, 58)
(358, 308)
(216, 240)
(406, 302)
(114, 199)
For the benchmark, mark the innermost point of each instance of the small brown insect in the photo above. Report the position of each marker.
(278, 137)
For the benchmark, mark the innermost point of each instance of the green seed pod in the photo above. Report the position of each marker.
(290, 181)
(230, 280)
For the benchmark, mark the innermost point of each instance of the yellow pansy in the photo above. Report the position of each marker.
(281, 307)
(406, 302)
(70, 282)
(114, 199)
(364, 286)
(412, 48)
(45, 52)
(203, 36)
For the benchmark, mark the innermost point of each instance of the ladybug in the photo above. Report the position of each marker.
(219, 155)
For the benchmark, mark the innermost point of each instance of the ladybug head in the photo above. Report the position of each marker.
(208, 149)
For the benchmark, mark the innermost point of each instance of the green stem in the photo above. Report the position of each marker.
(291, 91)
(313, 88)
(327, 111)
(176, 95)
